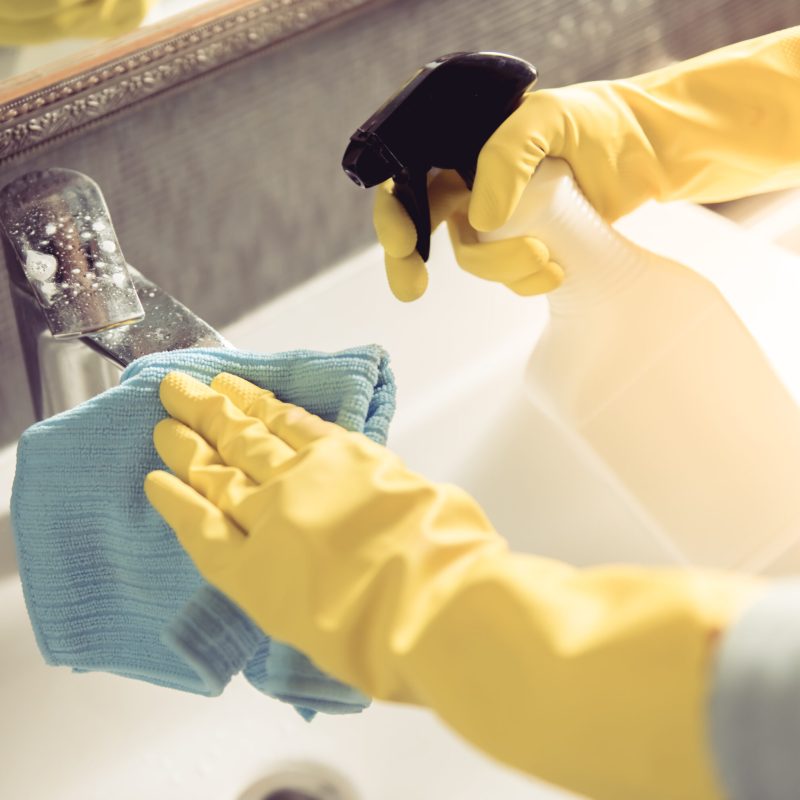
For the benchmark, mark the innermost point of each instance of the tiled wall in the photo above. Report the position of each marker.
(229, 191)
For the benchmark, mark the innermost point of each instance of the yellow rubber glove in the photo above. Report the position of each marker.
(716, 127)
(522, 264)
(37, 21)
(592, 679)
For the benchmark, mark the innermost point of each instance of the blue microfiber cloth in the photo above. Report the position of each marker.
(107, 585)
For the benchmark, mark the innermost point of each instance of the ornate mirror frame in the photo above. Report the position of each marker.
(43, 105)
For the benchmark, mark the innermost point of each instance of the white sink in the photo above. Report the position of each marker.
(458, 355)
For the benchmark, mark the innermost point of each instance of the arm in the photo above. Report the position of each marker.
(595, 680)
(716, 127)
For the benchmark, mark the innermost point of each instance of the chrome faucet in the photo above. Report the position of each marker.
(83, 313)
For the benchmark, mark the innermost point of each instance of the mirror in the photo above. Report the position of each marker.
(37, 38)
(53, 88)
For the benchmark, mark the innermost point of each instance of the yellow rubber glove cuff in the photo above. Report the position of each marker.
(595, 680)
(712, 128)
(38, 21)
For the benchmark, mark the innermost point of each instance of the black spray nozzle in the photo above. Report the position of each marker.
(440, 118)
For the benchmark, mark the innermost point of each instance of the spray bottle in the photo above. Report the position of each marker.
(642, 357)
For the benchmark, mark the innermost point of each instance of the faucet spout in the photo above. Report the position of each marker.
(68, 256)
(82, 311)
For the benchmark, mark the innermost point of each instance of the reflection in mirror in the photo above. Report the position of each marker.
(32, 38)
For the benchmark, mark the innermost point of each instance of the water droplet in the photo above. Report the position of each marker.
(98, 225)
(86, 234)
(50, 228)
(48, 291)
(40, 266)
(107, 246)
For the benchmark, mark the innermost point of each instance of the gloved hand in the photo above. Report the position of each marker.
(708, 129)
(36, 21)
(523, 264)
(595, 680)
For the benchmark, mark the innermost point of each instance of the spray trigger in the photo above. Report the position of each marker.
(441, 118)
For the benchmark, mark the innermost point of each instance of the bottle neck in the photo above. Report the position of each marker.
(597, 260)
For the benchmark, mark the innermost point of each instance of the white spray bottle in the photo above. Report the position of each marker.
(642, 357)
(649, 364)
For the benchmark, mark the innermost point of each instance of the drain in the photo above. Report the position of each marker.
(301, 781)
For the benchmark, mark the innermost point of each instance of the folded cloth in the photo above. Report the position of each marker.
(107, 586)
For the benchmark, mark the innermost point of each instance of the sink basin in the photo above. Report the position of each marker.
(458, 356)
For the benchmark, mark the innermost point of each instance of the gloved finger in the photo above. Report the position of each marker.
(225, 427)
(507, 261)
(254, 450)
(209, 537)
(293, 424)
(405, 270)
(393, 225)
(407, 277)
(506, 164)
(195, 462)
(197, 405)
(549, 277)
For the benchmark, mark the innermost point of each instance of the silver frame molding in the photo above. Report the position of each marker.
(51, 111)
